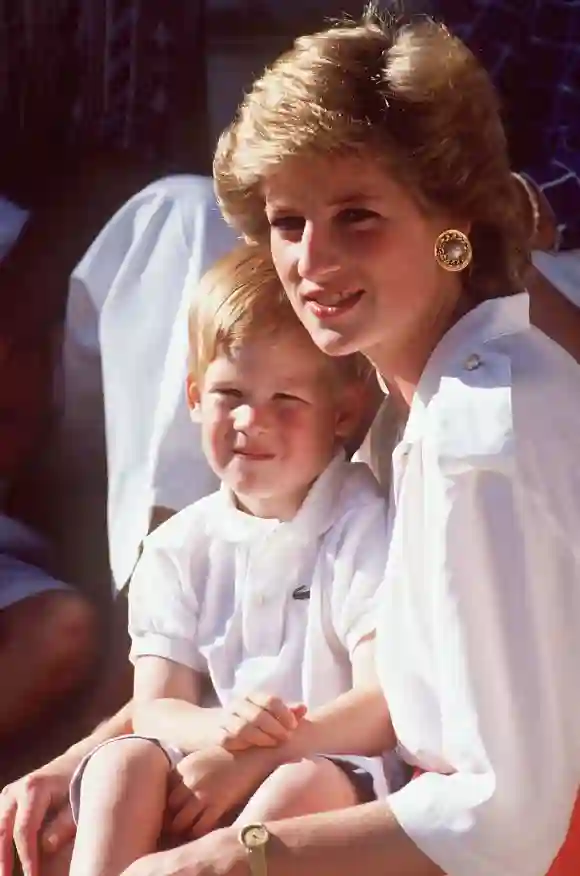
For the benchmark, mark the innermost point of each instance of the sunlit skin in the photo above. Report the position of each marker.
(355, 255)
(273, 415)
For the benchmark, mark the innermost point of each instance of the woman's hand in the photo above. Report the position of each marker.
(207, 785)
(218, 854)
(35, 812)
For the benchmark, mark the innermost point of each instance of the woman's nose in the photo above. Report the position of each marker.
(319, 256)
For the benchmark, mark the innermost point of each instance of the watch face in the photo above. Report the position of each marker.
(254, 835)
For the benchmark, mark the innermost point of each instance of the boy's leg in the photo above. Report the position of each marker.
(301, 788)
(123, 794)
(47, 649)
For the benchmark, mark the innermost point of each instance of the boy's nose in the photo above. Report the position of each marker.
(251, 418)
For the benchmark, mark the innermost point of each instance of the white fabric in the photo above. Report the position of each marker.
(562, 270)
(126, 338)
(478, 641)
(214, 588)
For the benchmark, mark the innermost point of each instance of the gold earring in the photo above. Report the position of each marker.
(453, 251)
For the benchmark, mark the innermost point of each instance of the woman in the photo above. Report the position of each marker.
(374, 159)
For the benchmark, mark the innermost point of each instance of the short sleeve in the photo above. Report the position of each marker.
(361, 557)
(498, 614)
(163, 609)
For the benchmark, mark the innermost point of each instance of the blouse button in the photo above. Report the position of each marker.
(473, 362)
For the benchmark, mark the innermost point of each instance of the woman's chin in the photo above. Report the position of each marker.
(333, 342)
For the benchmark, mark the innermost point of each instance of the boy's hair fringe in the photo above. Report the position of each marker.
(239, 299)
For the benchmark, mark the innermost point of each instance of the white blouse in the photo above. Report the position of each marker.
(479, 627)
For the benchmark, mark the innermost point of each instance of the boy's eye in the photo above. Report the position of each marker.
(291, 224)
(228, 392)
(285, 396)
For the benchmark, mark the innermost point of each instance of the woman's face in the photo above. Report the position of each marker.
(356, 258)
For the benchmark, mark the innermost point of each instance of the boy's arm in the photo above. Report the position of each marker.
(357, 722)
(167, 705)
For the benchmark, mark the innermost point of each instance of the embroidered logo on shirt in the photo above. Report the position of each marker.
(301, 592)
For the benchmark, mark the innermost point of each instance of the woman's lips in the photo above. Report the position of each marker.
(258, 457)
(326, 310)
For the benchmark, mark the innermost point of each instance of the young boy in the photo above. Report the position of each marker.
(266, 587)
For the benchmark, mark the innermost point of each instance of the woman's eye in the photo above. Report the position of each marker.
(357, 215)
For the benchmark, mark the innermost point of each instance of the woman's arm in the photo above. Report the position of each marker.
(362, 839)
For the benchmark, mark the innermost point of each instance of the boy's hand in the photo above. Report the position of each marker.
(259, 721)
(206, 785)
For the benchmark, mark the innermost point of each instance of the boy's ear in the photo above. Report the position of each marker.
(193, 397)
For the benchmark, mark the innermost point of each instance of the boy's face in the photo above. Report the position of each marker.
(272, 418)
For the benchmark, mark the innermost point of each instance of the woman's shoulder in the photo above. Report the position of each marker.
(499, 391)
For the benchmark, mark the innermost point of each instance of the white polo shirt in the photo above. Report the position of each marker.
(478, 641)
(126, 343)
(220, 591)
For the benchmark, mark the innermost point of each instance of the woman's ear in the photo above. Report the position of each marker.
(193, 398)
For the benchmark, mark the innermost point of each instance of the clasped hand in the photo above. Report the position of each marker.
(209, 785)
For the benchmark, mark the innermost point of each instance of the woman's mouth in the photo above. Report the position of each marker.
(333, 308)
(253, 456)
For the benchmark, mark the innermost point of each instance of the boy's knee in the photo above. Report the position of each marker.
(316, 776)
(127, 757)
(306, 772)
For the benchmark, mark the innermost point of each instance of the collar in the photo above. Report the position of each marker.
(461, 351)
(314, 517)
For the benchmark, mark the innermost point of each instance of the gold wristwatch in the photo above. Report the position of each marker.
(255, 838)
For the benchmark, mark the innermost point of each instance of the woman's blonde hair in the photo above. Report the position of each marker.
(240, 299)
(412, 96)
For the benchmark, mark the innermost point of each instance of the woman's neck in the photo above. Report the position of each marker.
(401, 368)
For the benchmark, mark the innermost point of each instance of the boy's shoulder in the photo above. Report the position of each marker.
(194, 524)
(353, 500)
(359, 491)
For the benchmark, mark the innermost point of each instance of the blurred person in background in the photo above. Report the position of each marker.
(47, 629)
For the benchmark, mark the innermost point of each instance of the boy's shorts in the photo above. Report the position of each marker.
(23, 554)
(367, 774)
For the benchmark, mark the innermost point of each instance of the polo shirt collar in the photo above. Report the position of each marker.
(315, 516)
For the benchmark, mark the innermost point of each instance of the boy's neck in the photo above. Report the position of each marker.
(272, 507)
(283, 508)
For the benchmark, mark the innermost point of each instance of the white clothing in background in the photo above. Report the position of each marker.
(478, 642)
(562, 269)
(12, 221)
(126, 339)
